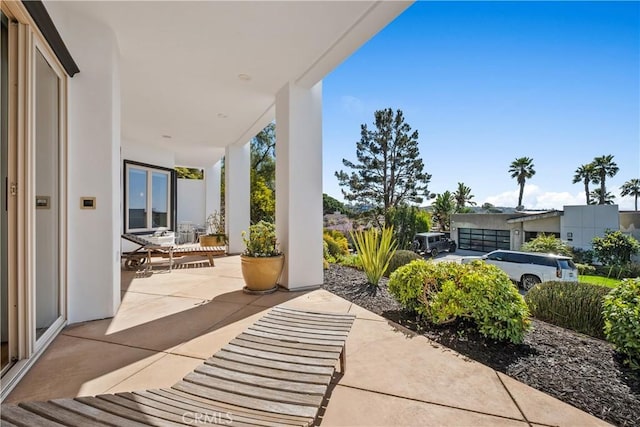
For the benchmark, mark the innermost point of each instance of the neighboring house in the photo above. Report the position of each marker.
(577, 225)
(100, 102)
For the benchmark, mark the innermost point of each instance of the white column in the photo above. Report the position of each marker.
(212, 188)
(237, 194)
(299, 184)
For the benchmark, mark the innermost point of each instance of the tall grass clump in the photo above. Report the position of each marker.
(375, 249)
(571, 305)
(622, 320)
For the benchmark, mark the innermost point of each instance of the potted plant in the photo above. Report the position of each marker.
(261, 261)
(215, 231)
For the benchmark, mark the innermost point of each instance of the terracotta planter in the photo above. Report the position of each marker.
(261, 274)
(215, 240)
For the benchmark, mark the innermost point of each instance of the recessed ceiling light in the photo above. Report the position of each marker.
(166, 136)
(222, 115)
(245, 77)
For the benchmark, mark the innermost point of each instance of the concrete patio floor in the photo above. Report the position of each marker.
(169, 323)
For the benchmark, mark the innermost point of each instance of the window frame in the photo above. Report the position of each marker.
(171, 197)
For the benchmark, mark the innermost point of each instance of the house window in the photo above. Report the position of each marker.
(149, 197)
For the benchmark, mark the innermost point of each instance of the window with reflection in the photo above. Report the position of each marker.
(149, 197)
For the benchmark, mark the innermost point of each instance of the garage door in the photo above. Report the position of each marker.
(478, 239)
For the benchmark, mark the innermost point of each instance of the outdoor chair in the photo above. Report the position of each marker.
(275, 373)
(146, 249)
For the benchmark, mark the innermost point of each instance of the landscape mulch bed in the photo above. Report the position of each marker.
(580, 370)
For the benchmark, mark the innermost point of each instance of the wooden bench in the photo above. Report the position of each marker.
(276, 373)
(147, 249)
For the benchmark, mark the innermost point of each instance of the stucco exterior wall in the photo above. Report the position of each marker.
(580, 224)
(544, 225)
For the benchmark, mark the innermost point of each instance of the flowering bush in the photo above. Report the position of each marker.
(262, 240)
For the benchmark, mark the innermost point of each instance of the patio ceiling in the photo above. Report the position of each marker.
(206, 73)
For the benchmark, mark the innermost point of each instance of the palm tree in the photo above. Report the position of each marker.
(521, 169)
(585, 173)
(443, 207)
(463, 196)
(603, 167)
(598, 199)
(631, 188)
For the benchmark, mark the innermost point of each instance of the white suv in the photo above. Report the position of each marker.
(528, 268)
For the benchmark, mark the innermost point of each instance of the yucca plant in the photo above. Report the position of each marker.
(375, 249)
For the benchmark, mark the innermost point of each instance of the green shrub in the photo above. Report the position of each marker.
(585, 269)
(622, 319)
(400, 258)
(446, 291)
(406, 284)
(582, 256)
(375, 249)
(352, 261)
(615, 248)
(571, 305)
(483, 293)
(626, 271)
(547, 244)
(337, 243)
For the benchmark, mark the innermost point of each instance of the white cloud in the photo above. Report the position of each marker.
(535, 198)
(352, 105)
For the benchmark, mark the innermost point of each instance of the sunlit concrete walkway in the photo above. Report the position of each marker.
(169, 323)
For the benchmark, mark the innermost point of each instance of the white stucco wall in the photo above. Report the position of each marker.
(93, 266)
(586, 222)
(147, 153)
(191, 201)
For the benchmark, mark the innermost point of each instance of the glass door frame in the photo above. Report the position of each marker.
(25, 41)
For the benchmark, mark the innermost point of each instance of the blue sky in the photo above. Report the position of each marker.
(486, 82)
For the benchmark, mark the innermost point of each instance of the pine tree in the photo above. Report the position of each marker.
(388, 170)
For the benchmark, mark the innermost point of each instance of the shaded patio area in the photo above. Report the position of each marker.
(169, 323)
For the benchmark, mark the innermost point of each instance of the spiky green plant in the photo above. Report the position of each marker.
(375, 249)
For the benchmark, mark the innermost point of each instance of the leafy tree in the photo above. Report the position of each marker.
(189, 173)
(463, 196)
(547, 244)
(631, 188)
(615, 248)
(263, 175)
(521, 169)
(488, 207)
(597, 199)
(603, 167)
(585, 174)
(331, 205)
(443, 207)
(389, 170)
(407, 221)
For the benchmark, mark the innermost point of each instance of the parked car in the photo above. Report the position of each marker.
(432, 243)
(529, 268)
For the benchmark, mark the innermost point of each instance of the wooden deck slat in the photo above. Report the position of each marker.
(235, 409)
(295, 340)
(96, 414)
(269, 371)
(275, 383)
(297, 323)
(21, 417)
(5, 423)
(254, 391)
(125, 412)
(314, 314)
(287, 366)
(283, 326)
(330, 321)
(286, 350)
(272, 355)
(182, 406)
(293, 335)
(54, 412)
(248, 336)
(143, 409)
(246, 401)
